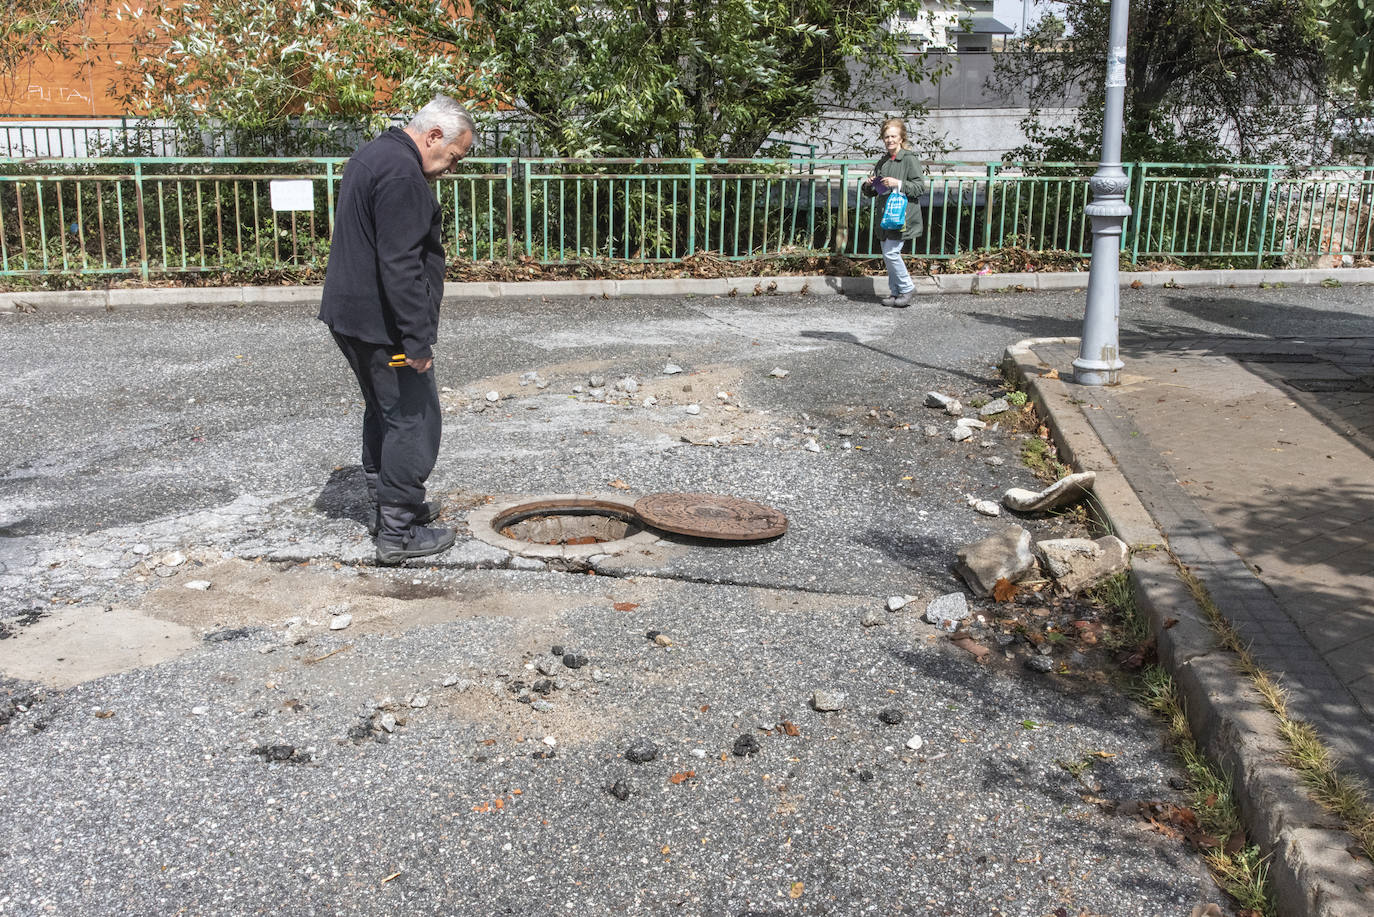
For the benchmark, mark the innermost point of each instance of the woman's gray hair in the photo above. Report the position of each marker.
(447, 115)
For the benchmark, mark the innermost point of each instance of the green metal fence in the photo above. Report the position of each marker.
(161, 216)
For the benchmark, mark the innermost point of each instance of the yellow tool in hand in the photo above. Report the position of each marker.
(397, 359)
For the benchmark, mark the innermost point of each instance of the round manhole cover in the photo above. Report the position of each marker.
(711, 516)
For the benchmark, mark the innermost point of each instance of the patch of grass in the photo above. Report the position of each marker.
(1016, 399)
(1341, 795)
(1129, 629)
(1239, 868)
(1040, 456)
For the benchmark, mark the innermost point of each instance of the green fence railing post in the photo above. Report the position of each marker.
(692, 208)
(987, 207)
(1264, 215)
(1138, 210)
(841, 239)
(529, 210)
(142, 221)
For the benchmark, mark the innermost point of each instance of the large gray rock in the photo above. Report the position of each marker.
(1077, 563)
(1006, 555)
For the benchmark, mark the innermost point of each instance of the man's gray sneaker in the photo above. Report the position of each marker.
(901, 302)
(889, 300)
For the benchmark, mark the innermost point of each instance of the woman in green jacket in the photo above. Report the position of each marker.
(898, 168)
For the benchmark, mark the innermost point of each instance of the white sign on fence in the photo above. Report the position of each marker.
(293, 194)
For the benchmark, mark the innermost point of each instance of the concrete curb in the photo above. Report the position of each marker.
(1312, 872)
(128, 298)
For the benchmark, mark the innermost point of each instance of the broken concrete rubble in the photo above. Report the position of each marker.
(1077, 563)
(1006, 555)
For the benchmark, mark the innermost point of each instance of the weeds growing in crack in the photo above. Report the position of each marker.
(1341, 795)
(1239, 867)
(1129, 628)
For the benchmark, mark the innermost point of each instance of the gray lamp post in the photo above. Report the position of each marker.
(1098, 362)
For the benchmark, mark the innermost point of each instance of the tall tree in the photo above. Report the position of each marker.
(671, 77)
(1206, 80)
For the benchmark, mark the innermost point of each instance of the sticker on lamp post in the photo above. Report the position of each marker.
(292, 194)
(1116, 67)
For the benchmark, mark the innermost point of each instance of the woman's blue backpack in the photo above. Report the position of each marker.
(894, 211)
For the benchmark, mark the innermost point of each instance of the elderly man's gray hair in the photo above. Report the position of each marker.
(447, 115)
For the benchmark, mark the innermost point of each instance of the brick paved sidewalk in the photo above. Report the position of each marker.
(1256, 458)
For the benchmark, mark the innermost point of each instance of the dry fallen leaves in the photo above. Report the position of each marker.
(797, 889)
(625, 606)
(620, 485)
(1004, 590)
(681, 776)
(790, 728)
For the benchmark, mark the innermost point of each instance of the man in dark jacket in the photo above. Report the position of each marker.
(381, 301)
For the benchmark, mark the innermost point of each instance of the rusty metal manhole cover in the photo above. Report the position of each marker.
(711, 516)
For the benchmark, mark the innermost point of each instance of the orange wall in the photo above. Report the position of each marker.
(71, 88)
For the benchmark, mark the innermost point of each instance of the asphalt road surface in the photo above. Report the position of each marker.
(171, 750)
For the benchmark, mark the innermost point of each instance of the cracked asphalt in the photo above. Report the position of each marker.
(148, 450)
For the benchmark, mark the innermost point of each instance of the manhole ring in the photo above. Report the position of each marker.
(487, 524)
(711, 516)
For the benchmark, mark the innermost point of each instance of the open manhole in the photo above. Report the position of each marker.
(571, 527)
(582, 521)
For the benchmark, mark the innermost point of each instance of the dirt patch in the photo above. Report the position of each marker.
(81, 643)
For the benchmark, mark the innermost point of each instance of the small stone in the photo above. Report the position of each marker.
(620, 789)
(629, 385)
(546, 665)
(914, 743)
(493, 397)
(339, 622)
(450, 680)
(557, 649)
(542, 686)
(650, 401)
(1041, 664)
(199, 711)
(985, 507)
(574, 660)
(172, 559)
(954, 409)
(898, 602)
(641, 751)
(811, 446)
(995, 406)
(141, 549)
(698, 753)
(663, 640)
(542, 706)
(550, 741)
(387, 722)
(200, 585)
(872, 618)
(596, 381)
(938, 400)
(891, 716)
(971, 422)
(930, 430)
(827, 701)
(419, 700)
(671, 369)
(947, 611)
(692, 409)
(960, 433)
(746, 745)
(995, 461)
(780, 373)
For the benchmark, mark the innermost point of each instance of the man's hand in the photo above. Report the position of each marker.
(420, 366)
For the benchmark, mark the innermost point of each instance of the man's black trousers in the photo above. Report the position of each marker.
(401, 424)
